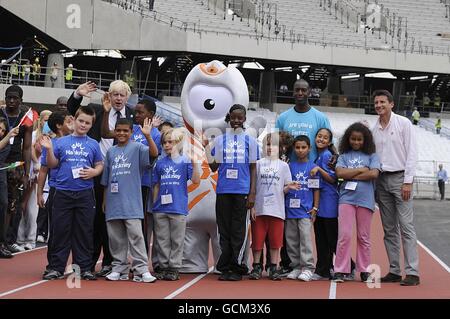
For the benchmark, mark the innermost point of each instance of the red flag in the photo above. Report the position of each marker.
(29, 117)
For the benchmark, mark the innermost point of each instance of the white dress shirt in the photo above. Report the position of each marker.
(396, 146)
(107, 143)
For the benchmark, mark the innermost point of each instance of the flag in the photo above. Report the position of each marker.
(29, 118)
(12, 165)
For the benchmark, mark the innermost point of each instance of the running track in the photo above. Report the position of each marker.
(20, 278)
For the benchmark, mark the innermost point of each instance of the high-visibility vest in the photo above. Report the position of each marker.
(69, 74)
(14, 69)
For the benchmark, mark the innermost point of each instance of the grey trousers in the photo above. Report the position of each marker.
(151, 240)
(169, 232)
(299, 243)
(124, 235)
(398, 224)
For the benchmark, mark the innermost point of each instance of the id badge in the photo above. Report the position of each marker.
(294, 203)
(351, 185)
(76, 172)
(166, 199)
(11, 140)
(269, 200)
(313, 183)
(114, 187)
(232, 173)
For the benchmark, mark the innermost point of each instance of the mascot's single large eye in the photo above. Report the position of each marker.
(209, 102)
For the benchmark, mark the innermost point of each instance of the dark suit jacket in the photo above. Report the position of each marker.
(96, 130)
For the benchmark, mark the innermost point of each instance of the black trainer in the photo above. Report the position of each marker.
(5, 253)
(365, 277)
(234, 276)
(284, 271)
(256, 272)
(88, 275)
(274, 273)
(225, 275)
(159, 273)
(410, 280)
(52, 275)
(105, 271)
(171, 275)
(390, 277)
(338, 277)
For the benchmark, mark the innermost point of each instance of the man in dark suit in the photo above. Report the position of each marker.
(119, 92)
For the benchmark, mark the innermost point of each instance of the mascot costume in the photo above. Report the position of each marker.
(208, 93)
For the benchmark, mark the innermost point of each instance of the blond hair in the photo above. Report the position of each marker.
(177, 135)
(39, 124)
(119, 86)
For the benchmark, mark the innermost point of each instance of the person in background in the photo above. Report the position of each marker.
(415, 116)
(438, 126)
(442, 179)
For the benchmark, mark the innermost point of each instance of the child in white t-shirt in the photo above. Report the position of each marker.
(273, 179)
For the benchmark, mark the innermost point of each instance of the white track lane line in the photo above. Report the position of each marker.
(187, 285)
(440, 262)
(332, 294)
(10, 292)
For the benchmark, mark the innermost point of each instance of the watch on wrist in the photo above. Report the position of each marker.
(315, 209)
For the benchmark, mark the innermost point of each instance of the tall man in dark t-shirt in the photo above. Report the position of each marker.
(20, 150)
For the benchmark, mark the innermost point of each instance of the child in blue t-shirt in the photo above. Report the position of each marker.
(170, 202)
(125, 164)
(301, 209)
(359, 166)
(235, 154)
(79, 160)
(61, 123)
(326, 223)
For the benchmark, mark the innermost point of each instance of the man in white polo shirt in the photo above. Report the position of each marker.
(396, 147)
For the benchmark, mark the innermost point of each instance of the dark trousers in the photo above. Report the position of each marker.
(326, 235)
(232, 222)
(101, 240)
(42, 221)
(3, 206)
(145, 190)
(14, 212)
(441, 185)
(72, 229)
(49, 209)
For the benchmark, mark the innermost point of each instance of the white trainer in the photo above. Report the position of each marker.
(306, 275)
(115, 276)
(28, 246)
(294, 274)
(145, 277)
(15, 248)
(40, 239)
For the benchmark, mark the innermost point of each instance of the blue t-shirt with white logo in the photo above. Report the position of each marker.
(51, 176)
(329, 196)
(234, 153)
(172, 175)
(73, 153)
(304, 197)
(139, 137)
(124, 166)
(307, 123)
(364, 193)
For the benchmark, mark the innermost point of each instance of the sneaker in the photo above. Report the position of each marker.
(5, 253)
(350, 276)
(317, 277)
(366, 277)
(160, 273)
(294, 274)
(338, 277)
(256, 272)
(52, 275)
(40, 239)
(390, 277)
(171, 275)
(115, 276)
(284, 271)
(145, 277)
(410, 280)
(274, 273)
(306, 275)
(15, 248)
(225, 276)
(234, 276)
(28, 246)
(105, 271)
(88, 275)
